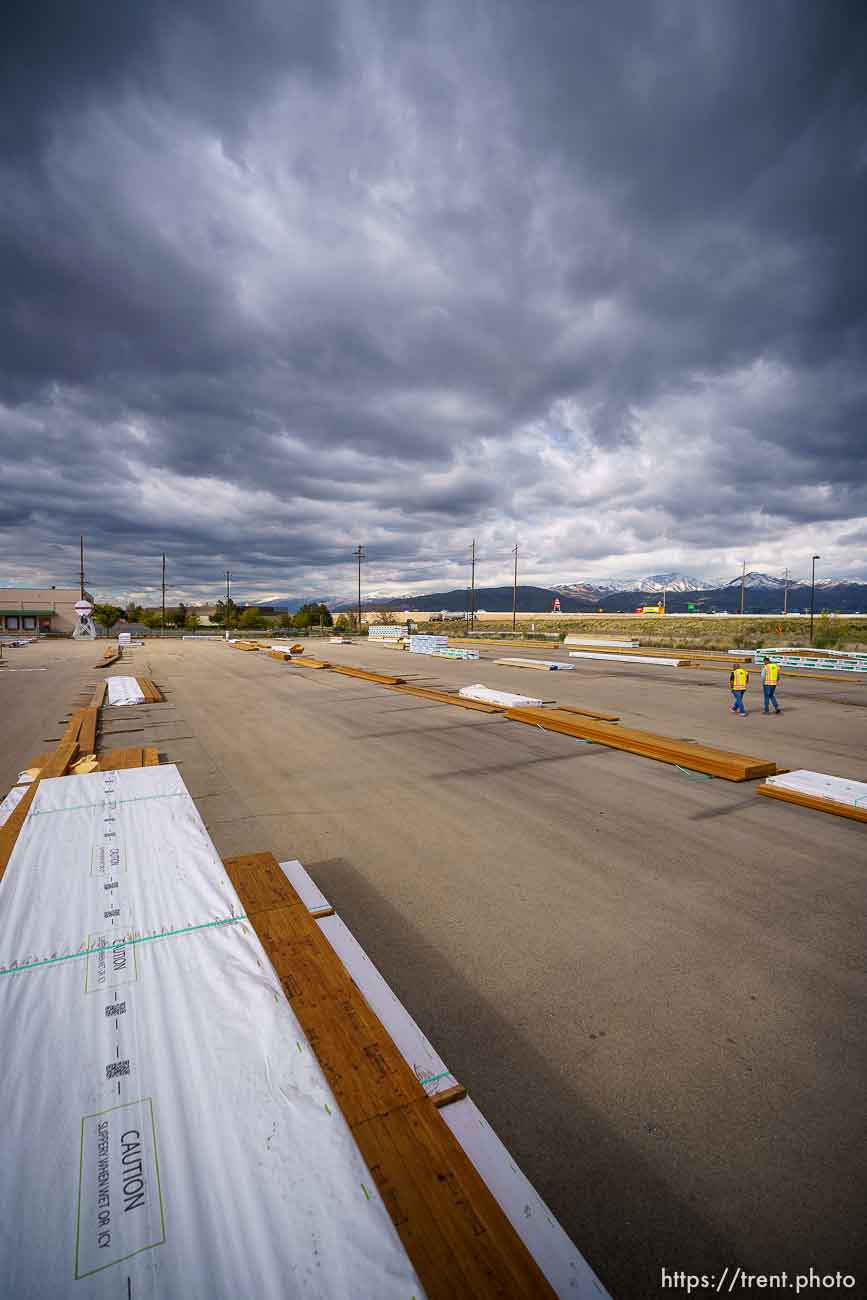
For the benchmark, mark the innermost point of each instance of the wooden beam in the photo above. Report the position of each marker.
(665, 749)
(382, 678)
(590, 713)
(457, 1237)
(99, 696)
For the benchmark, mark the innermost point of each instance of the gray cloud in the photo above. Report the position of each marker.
(282, 280)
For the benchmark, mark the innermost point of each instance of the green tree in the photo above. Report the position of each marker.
(342, 624)
(106, 615)
(181, 615)
(192, 621)
(225, 616)
(133, 612)
(152, 618)
(251, 618)
(313, 615)
(285, 619)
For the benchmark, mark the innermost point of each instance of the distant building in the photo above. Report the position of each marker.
(39, 609)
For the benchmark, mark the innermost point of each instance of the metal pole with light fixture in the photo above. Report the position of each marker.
(813, 595)
(743, 582)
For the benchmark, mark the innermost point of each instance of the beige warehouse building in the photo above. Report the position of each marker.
(35, 610)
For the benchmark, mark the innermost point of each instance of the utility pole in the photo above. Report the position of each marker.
(472, 609)
(515, 590)
(228, 576)
(743, 583)
(813, 595)
(359, 556)
(786, 594)
(81, 563)
(163, 613)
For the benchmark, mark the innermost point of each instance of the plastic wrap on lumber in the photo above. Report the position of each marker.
(382, 678)
(811, 801)
(665, 749)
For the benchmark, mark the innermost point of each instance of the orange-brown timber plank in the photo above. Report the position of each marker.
(282, 655)
(116, 760)
(150, 758)
(312, 663)
(812, 801)
(665, 749)
(87, 731)
(452, 1228)
(363, 673)
(589, 713)
(99, 696)
(151, 692)
(443, 697)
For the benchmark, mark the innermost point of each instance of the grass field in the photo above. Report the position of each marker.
(684, 631)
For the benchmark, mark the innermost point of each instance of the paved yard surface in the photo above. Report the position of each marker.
(652, 984)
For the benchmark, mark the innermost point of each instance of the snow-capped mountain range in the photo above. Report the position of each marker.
(593, 588)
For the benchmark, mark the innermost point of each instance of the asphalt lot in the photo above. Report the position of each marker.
(652, 984)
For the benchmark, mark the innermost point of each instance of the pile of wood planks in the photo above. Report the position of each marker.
(115, 760)
(245, 645)
(151, 692)
(383, 678)
(443, 697)
(58, 764)
(454, 1231)
(110, 656)
(283, 655)
(82, 728)
(665, 749)
(312, 663)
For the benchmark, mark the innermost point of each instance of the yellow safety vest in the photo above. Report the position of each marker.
(741, 679)
(772, 673)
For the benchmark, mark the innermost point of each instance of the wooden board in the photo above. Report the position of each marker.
(99, 696)
(367, 676)
(590, 713)
(312, 663)
(115, 760)
(812, 801)
(665, 749)
(452, 1228)
(152, 693)
(282, 655)
(443, 697)
(110, 656)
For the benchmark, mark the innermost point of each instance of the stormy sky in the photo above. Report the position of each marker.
(282, 277)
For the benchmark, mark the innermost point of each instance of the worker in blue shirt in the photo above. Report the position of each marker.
(739, 680)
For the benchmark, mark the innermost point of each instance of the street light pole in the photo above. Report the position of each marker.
(515, 591)
(743, 582)
(786, 594)
(473, 586)
(359, 555)
(813, 595)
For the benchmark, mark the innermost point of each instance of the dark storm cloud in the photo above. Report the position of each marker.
(285, 277)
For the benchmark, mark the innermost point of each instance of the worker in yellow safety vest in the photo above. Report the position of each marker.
(739, 680)
(770, 677)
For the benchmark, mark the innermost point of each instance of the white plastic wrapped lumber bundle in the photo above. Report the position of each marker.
(819, 785)
(590, 641)
(625, 659)
(169, 1177)
(124, 690)
(455, 652)
(388, 630)
(420, 644)
(548, 665)
(489, 696)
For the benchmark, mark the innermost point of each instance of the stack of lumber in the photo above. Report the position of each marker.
(305, 662)
(110, 656)
(245, 645)
(682, 753)
(506, 699)
(454, 1231)
(443, 697)
(382, 678)
(283, 655)
(387, 631)
(817, 790)
(82, 729)
(591, 642)
(116, 760)
(421, 644)
(152, 693)
(629, 657)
